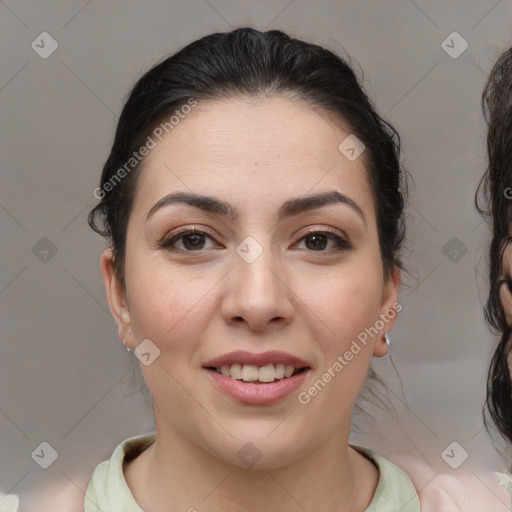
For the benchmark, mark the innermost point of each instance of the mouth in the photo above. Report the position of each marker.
(258, 374)
(261, 368)
(254, 391)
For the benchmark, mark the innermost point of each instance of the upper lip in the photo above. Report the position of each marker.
(263, 359)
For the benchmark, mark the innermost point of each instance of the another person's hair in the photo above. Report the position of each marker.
(245, 63)
(496, 187)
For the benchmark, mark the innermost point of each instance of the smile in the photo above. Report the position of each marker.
(262, 378)
(258, 374)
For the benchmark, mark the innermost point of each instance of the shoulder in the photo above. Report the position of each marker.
(395, 490)
(455, 490)
(108, 487)
(71, 494)
(63, 495)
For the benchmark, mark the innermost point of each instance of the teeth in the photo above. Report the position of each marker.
(235, 372)
(288, 371)
(249, 373)
(267, 373)
(253, 373)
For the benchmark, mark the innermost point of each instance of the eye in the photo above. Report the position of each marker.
(318, 240)
(195, 240)
(506, 281)
(192, 240)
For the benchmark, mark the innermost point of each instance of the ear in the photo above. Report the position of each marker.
(116, 297)
(388, 312)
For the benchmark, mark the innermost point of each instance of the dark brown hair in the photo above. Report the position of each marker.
(496, 188)
(247, 62)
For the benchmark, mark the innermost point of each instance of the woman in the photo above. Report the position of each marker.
(253, 205)
(497, 189)
(466, 490)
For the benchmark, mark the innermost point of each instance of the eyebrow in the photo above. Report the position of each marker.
(289, 208)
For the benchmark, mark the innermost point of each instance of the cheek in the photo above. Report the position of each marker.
(506, 302)
(168, 306)
(173, 310)
(344, 306)
(341, 315)
(505, 294)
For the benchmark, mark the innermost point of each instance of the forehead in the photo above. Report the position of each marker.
(265, 146)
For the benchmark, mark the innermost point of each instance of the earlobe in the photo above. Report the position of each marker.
(381, 347)
(390, 308)
(115, 294)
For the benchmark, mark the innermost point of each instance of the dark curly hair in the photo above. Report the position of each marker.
(496, 187)
(247, 62)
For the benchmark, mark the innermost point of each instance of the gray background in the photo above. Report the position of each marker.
(64, 376)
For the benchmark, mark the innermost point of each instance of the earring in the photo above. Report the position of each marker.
(386, 339)
(127, 348)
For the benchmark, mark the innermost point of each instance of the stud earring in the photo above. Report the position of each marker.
(127, 348)
(386, 339)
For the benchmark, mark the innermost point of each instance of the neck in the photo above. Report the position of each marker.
(333, 477)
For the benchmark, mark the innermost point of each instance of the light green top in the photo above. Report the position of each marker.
(108, 491)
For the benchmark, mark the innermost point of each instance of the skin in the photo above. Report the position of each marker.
(505, 294)
(200, 304)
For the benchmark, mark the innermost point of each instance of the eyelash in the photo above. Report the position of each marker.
(342, 244)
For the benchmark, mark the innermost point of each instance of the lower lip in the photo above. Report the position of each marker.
(249, 393)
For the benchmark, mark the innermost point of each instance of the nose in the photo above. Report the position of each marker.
(258, 293)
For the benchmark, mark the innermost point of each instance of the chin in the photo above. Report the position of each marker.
(260, 452)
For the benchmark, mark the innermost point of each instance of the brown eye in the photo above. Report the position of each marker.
(191, 240)
(318, 241)
(506, 281)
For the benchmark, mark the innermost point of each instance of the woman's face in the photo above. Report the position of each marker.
(253, 280)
